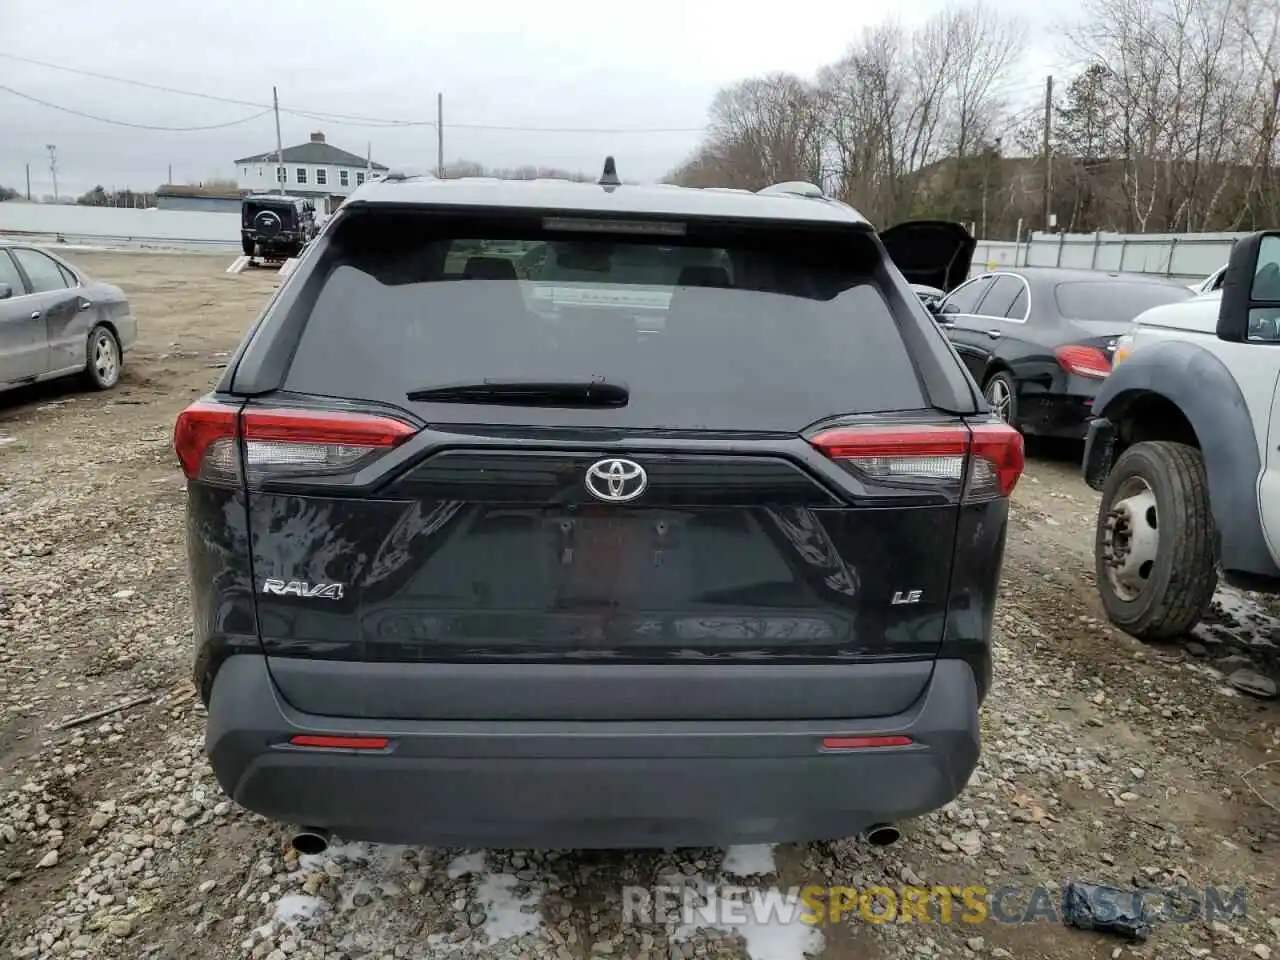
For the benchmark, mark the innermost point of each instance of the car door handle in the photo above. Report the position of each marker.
(994, 334)
(35, 314)
(85, 304)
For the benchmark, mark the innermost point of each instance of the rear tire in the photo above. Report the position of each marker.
(104, 359)
(1154, 543)
(247, 245)
(1002, 397)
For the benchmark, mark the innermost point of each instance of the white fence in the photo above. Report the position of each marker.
(1177, 256)
(120, 226)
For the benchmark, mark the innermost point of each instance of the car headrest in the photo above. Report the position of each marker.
(489, 268)
(703, 276)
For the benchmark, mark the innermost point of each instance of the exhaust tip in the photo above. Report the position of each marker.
(882, 835)
(310, 841)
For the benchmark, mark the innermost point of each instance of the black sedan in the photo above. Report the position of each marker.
(1039, 340)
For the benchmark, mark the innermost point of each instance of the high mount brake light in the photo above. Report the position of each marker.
(1084, 361)
(210, 438)
(984, 460)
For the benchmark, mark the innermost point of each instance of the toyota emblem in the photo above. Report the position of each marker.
(616, 481)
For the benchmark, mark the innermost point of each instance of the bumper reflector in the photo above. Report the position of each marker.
(340, 743)
(862, 743)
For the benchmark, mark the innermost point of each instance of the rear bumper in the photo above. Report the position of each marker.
(289, 240)
(1055, 415)
(549, 784)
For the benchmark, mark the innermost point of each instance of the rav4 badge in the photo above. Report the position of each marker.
(301, 588)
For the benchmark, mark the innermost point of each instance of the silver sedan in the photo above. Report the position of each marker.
(55, 321)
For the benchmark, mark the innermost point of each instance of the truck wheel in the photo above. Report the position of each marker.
(247, 246)
(1154, 544)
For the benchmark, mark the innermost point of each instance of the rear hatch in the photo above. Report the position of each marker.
(654, 476)
(931, 253)
(268, 218)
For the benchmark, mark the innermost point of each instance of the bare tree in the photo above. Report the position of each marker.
(984, 47)
(1170, 123)
(1259, 24)
(767, 130)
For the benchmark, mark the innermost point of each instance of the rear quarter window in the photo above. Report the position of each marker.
(1113, 301)
(704, 335)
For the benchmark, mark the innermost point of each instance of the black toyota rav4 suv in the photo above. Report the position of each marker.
(685, 530)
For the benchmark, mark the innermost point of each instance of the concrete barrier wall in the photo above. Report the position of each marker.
(1186, 256)
(114, 226)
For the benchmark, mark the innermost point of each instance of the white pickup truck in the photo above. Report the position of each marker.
(1185, 449)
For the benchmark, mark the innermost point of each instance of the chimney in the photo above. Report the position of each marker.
(317, 137)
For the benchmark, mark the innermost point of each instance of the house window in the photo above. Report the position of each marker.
(359, 177)
(259, 173)
(302, 174)
(322, 177)
(281, 174)
(244, 171)
(344, 178)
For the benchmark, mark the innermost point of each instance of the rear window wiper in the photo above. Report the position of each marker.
(529, 393)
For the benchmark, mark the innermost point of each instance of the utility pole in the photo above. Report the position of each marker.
(53, 168)
(986, 180)
(170, 180)
(28, 183)
(1048, 157)
(275, 103)
(440, 135)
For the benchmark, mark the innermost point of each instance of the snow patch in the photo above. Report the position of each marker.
(1252, 626)
(295, 908)
(466, 865)
(767, 935)
(507, 912)
(750, 860)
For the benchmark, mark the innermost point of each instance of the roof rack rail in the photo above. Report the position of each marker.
(793, 188)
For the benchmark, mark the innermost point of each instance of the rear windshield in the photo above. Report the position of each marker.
(1113, 301)
(706, 332)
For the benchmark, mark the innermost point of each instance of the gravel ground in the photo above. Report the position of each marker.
(1103, 760)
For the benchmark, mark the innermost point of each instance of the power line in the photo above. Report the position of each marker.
(133, 83)
(126, 123)
(348, 119)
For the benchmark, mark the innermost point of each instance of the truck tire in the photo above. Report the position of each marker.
(1154, 543)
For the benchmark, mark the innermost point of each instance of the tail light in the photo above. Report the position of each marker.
(979, 462)
(1084, 361)
(211, 440)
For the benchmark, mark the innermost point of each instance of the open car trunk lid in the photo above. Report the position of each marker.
(933, 253)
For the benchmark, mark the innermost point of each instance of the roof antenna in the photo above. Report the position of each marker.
(610, 176)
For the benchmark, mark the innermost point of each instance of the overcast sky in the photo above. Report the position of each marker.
(564, 64)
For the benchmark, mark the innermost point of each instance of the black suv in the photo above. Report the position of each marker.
(277, 226)
(690, 535)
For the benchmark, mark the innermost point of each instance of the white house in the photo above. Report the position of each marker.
(316, 170)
